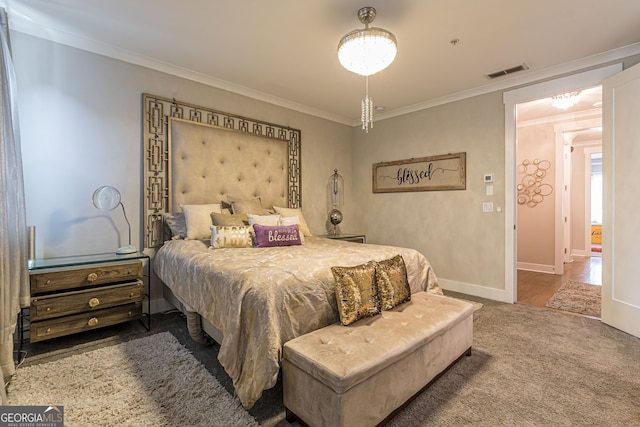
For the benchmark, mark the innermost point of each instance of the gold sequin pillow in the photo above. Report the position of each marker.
(392, 282)
(356, 292)
(231, 237)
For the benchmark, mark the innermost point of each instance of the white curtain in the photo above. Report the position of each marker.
(14, 276)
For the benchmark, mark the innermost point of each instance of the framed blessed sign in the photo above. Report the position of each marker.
(444, 172)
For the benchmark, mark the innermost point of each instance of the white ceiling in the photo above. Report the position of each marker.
(284, 51)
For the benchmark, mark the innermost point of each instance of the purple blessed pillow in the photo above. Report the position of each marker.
(276, 235)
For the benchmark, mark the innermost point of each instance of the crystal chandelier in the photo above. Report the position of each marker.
(365, 52)
(565, 100)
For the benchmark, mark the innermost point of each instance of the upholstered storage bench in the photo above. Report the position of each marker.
(358, 375)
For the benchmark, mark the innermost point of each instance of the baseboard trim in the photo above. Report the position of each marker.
(475, 290)
(538, 268)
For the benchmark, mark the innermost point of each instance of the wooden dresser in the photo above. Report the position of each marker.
(75, 294)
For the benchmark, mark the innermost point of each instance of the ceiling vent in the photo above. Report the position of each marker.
(507, 71)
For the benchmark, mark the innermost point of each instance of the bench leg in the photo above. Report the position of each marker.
(291, 417)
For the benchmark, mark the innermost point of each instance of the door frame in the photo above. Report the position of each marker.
(588, 151)
(511, 99)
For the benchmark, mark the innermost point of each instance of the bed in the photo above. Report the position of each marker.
(252, 299)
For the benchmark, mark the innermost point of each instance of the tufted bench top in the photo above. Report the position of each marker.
(344, 356)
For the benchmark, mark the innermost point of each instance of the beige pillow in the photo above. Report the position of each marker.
(229, 219)
(295, 212)
(252, 206)
(231, 237)
(392, 282)
(198, 220)
(356, 292)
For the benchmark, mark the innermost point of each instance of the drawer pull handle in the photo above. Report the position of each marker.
(48, 308)
(92, 277)
(94, 302)
(93, 321)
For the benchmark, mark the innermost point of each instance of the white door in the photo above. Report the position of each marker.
(621, 208)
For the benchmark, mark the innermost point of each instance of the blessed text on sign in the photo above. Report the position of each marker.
(443, 172)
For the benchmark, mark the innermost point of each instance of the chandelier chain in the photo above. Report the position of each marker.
(367, 108)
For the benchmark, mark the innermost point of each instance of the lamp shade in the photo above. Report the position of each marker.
(107, 198)
(367, 51)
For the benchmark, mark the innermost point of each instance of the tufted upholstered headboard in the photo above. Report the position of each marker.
(211, 164)
(191, 159)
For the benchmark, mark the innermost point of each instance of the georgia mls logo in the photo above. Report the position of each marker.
(31, 416)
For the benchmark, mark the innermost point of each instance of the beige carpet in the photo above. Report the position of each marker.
(577, 297)
(151, 381)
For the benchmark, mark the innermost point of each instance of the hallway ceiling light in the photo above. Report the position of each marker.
(566, 100)
(366, 52)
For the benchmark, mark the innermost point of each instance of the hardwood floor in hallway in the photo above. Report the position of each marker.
(536, 288)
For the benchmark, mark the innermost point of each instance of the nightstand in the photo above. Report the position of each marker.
(356, 238)
(79, 293)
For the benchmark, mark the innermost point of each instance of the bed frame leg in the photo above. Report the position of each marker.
(194, 325)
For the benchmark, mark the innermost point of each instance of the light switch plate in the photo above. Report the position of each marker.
(487, 207)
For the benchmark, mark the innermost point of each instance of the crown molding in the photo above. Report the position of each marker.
(92, 46)
(530, 77)
(22, 24)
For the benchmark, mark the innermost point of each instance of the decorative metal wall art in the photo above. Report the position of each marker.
(532, 188)
(155, 119)
(443, 172)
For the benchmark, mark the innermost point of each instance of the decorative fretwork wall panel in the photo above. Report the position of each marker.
(157, 111)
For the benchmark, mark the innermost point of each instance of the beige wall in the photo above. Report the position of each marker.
(535, 226)
(463, 244)
(536, 239)
(81, 116)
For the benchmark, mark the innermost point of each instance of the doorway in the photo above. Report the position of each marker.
(593, 195)
(512, 99)
(554, 173)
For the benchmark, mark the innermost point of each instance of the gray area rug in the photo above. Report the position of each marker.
(150, 381)
(577, 297)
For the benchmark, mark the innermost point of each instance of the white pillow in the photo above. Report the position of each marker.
(304, 228)
(231, 237)
(198, 219)
(292, 220)
(263, 219)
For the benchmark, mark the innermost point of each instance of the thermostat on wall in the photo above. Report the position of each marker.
(488, 177)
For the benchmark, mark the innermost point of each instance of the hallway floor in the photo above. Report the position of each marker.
(536, 288)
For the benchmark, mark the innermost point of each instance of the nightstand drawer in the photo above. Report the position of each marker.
(65, 279)
(346, 237)
(354, 239)
(60, 326)
(94, 299)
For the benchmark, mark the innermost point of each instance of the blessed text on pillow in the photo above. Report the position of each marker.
(277, 235)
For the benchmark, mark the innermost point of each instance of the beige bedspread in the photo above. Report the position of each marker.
(262, 297)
